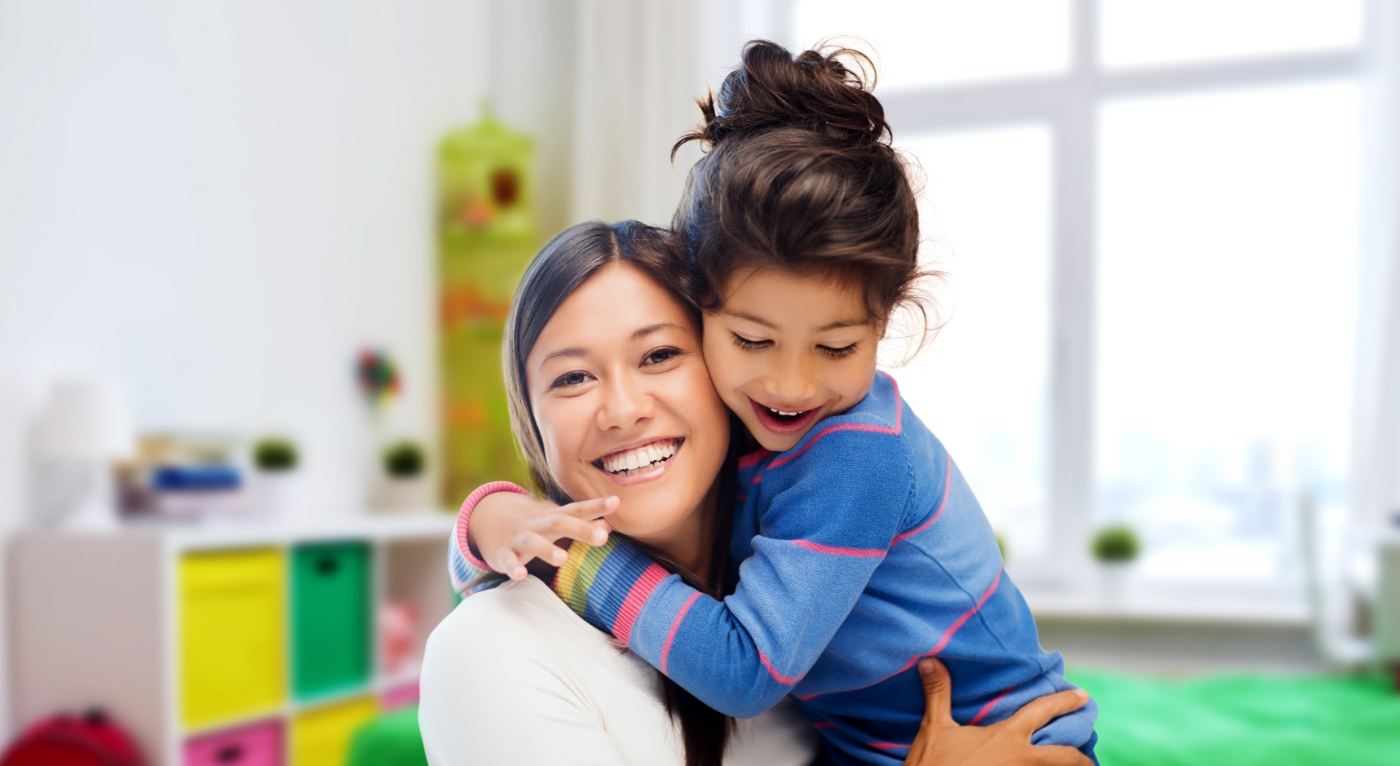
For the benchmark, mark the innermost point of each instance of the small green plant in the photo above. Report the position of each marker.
(1115, 544)
(274, 453)
(404, 459)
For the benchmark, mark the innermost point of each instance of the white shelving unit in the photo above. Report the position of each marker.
(96, 621)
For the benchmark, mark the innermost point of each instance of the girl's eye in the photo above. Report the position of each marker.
(837, 353)
(749, 345)
(661, 356)
(569, 379)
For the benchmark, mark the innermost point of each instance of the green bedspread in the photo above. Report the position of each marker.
(1244, 720)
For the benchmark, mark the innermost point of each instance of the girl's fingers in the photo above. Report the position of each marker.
(1042, 710)
(508, 564)
(560, 526)
(542, 547)
(592, 509)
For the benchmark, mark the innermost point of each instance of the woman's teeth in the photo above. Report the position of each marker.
(634, 461)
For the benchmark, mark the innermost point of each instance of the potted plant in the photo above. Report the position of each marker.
(275, 458)
(405, 486)
(1115, 547)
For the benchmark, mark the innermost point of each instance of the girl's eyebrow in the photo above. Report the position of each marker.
(749, 317)
(758, 320)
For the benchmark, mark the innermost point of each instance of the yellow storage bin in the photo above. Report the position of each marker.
(233, 634)
(321, 737)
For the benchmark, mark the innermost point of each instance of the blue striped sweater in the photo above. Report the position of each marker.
(862, 550)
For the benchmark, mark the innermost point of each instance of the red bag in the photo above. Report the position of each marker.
(69, 740)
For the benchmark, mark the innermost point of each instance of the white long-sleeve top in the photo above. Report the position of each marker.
(512, 676)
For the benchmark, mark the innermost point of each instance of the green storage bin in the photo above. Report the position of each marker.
(330, 619)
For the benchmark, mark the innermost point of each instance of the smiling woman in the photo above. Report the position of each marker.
(609, 396)
(623, 406)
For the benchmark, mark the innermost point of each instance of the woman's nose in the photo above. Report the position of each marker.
(625, 402)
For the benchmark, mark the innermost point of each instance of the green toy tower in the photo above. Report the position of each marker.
(486, 237)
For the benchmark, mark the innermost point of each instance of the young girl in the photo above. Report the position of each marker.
(862, 547)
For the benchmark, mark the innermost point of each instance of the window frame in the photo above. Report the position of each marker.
(1068, 104)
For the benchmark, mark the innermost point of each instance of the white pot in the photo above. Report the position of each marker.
(1113, 578)
(275, 495)
(404, 495)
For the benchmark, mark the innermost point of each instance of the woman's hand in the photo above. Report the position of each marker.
(511, 529)
(943, 741)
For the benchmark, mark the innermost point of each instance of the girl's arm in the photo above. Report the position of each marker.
(828, 527)
(501, 528)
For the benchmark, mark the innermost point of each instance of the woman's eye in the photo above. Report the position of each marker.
(749, 345)
(570, 379)
(837, 353)
(661, 355)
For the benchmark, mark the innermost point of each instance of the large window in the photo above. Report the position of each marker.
(1147, 214)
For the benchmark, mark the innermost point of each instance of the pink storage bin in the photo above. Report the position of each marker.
(257, 745)
(399, 696)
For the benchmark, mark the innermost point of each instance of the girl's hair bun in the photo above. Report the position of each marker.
(813, 91)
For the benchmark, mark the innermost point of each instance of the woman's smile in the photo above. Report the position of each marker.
(640, 463)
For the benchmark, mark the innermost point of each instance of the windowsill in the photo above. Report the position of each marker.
(1141, 605)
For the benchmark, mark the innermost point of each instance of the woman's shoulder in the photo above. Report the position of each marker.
(523, 611)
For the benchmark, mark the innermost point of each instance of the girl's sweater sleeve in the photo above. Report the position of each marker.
(827, 527)
(463, 565)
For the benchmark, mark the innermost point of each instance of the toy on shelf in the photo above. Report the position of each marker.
(486, 236)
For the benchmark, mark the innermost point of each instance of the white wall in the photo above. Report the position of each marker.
(217, 203)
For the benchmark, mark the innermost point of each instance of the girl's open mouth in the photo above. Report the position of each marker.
(783, 422)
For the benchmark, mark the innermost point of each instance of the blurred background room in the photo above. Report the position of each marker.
(255, 258)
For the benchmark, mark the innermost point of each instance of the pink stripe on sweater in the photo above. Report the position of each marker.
(839, 551)
(947, 485)
(987, 708)
(887, 745)
(675, 628)
(943, 642)
(464, 518)
(825, 432)
(956, 626)
(636, 599)
(779, 677)
(753, 458)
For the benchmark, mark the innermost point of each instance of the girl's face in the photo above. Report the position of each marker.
(787, 349)
(625, 407)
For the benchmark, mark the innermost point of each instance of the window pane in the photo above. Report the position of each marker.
(1228, 252)
(1137, 32)
(981, 383)
(944, 41)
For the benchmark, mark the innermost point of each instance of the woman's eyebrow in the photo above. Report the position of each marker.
(570, 351)
(651, 328)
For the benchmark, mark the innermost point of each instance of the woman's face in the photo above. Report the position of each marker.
(625, 407)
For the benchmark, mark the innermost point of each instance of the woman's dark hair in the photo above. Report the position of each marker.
(799, 174)
(565, 264)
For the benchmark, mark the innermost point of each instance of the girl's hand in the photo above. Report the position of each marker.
(510, 529)
(943, 741)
